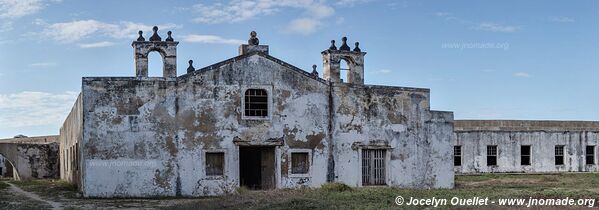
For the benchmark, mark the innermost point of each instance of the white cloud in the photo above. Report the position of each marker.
(211, 39)
(303, 26)
(522, 74)
(96, 44)
(19, 8)
(384, 71)
(73, 31)
(30, 108)
(314, 12)
(43, 64)
(351, 2)
(561, 19)
(495, 27)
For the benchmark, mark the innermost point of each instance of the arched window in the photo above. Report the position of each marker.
(256, 103)
(344, 70)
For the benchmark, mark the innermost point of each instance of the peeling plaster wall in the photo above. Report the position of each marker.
(128, 137)
(541, 135)
(70, 136)
(399, 119)
(3, 165)
(144, 137)
(32, 160)
(210, 119)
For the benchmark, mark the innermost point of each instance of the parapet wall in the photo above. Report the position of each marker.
(525, 125)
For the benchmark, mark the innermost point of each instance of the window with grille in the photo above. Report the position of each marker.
(373, 167)
(457, 155)
(590, 155)
(256, 103)
(299, 163)
(492, 155)
(525, 155)
(559, 155)
(215, 162)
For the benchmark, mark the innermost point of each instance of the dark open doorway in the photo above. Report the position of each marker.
(257, 167)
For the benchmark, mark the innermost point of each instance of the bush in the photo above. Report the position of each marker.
(335, 187)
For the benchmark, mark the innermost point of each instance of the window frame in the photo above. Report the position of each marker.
(495, 156)
(586, 155)
(290, 162)
(385, 172)
(205, 162)
(460, 155)
(555, 153)
(269, 107)
(529, 155)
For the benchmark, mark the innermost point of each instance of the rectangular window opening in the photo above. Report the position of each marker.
(256, 103)
(215, 162)
(373, 167)
(300, 163)
(559, 155)
(590, 155)
(525, 155)
(492, 155)
(457, 155)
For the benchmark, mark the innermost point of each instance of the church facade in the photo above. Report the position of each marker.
(250, 121)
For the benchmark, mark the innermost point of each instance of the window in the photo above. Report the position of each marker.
(215, 162)
(373, 167)
(559, 155)
(590, 155)
(299, 163)
(525, 155)
(457, 155)
(492, 155)
(256, 103)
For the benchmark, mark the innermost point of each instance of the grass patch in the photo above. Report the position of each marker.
(335, 187)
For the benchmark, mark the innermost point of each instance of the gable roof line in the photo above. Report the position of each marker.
(239, 57)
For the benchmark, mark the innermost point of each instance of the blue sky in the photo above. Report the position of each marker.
(481, 59)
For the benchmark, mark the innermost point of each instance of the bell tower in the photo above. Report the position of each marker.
(332, 58)
(166, 48)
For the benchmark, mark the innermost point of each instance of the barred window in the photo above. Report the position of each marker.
(525, 155)
(559, 155)
(492, 155)
(373, 167)
(215, 162)
(256, 103)
(299, 163)
(457, 155)
(590, 155)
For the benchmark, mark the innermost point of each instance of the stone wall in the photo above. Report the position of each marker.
(70, 136)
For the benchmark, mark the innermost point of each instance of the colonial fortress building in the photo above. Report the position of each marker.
(256, 121)
(252, 120)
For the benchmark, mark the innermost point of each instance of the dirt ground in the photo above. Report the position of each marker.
(54, 194)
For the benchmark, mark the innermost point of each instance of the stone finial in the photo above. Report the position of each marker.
(141, 38)
(155, 37)
(253, 38)
(169, 38)
(314, 72)
(190, 68)
(344, 45)
(333, 47)
(357, 48)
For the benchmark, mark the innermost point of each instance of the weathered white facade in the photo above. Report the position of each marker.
(3, 165)
(25, 158)
(252, 120)
(577, 140)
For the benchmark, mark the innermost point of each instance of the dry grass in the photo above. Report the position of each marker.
(339, 196)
